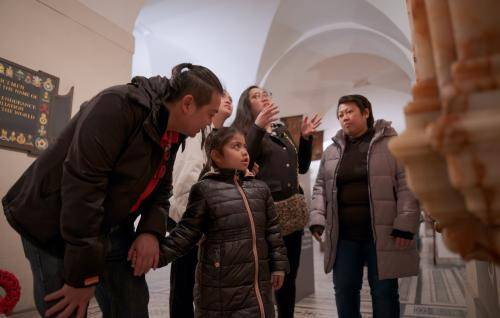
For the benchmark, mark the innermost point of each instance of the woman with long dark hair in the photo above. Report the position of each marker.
(280, 161)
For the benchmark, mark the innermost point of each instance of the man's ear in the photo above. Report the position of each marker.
(188, 105)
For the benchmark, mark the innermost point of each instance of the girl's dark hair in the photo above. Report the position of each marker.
(196, 80)
(216, 140)
(244, 119)
(362, 103)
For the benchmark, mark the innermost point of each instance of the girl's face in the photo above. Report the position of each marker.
(234, 154)
(352, 120)
(259, 98)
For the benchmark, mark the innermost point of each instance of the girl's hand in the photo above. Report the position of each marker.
(277, 280)
(267, 115)
(255, 169)
(309, 127)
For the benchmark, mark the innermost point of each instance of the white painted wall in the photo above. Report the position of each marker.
(123, 13)
(82, 48)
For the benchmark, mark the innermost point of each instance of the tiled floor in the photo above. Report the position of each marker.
(436, 292)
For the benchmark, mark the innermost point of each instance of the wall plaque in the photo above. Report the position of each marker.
(32, 114)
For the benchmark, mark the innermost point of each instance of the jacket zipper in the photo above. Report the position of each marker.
(341, 154)
(374, 140)
(254, 248)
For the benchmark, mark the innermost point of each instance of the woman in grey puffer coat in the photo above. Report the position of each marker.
(242, 247)
(368, 214)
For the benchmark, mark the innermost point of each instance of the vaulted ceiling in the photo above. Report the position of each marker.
(308, 53)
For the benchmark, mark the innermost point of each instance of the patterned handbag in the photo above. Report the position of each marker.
(293, 213)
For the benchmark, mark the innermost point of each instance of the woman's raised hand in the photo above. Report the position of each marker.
(267, 115)
(309, 127)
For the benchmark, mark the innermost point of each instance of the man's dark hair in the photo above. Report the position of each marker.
(196, 80)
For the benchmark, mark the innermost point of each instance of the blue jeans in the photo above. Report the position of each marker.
(119, 293)
(348, 279)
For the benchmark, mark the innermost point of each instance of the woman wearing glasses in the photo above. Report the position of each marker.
(279, 162)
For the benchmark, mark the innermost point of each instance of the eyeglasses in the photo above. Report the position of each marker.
(262, 94)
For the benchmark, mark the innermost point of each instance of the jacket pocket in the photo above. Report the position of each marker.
(210, 254)
(387, 242)
(209, 266)
(216, 258)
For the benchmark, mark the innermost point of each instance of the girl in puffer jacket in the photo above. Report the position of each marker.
(242, 257)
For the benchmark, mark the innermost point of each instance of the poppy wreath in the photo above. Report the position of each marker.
(10, 284)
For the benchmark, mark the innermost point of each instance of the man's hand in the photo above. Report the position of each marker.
(144, 253)
(277, 280)
(71, 299)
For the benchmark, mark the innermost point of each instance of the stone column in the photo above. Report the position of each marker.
(443, 43)
(426, 168)
(467, 132)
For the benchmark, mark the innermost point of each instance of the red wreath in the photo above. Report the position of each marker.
(12, 289)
